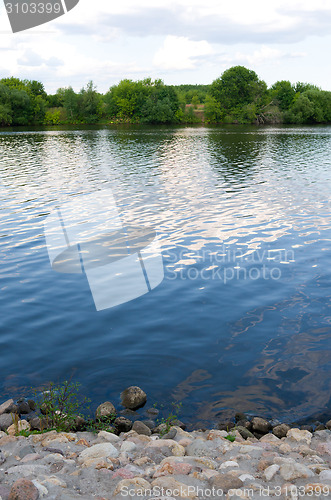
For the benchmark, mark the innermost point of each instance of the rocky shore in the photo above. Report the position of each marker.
(135, 455)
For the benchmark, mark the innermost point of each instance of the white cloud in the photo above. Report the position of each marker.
(178, 52)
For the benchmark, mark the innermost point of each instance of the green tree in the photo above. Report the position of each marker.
(282, 94)
(237, 87)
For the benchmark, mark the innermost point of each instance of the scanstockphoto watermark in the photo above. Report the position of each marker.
(186, 491)
(228, 264)
(161, 492)
(26, 14)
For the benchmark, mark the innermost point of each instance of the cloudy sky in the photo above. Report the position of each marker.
(181, 41)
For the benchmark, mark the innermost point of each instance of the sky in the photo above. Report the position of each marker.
(183, 41)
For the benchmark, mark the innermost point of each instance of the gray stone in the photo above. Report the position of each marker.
(98, 451)
(244, 432)
(141, 428)
(239, 416)
(201, 448)
(105, 410)
(32, 404)
(226, 482)
(170, 435)
(290, 471)
(152, 412)
(26, 450)
(23, 408)
(2, 458)
(308, 428)
(6, 420)
(327, 425)
(123, 424)
(133, 397)
(4, 492)
(7, 406)
(281, 430)
(149, 423)
(260, 425)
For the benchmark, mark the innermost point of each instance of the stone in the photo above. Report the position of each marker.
(325, 475)
(171, 434)
(22, 425)
(308, 428)
(170, 484)
(239, 416)
(244, 432)
(123, 473)
(225, 426)
(229, 464)
(202, 448)
(23, 489)
(23, 408)
(32, 404)
(172, 447)
(43, 491)
(26, 450)
(160, 429)
(327, 425)
(270, 438)
(2, 458)
(299, 436)
(6, 421)
(6, 407)
(123, 424)
(105, 410)
(136, 484)
(246, 477)
(173, 468)
(98, 451)
(128, 447)
(55, 481)
(153, 412)
(133, 398)
(141, 428)
(281, 430)
(110, 437)
(290, 471)
(226, 482)
(37, 423)
(271, 471)
(4, 492)
(260, 425)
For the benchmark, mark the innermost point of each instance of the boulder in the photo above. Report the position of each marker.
(6, 420)
(260, 425)
(105, 410)
(141, 428)
(281, 430)
(133, 397)
(122, 424)
(23, 489)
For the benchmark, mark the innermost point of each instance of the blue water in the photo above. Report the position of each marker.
(242, 319)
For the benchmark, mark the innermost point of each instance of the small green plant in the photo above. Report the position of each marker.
(230, 437)
(101, 424)
(170, 420)
(61, 406)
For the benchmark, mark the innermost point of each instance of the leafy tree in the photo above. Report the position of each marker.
(70, 103)
(282, 94)
(89, 103)
(237, 87)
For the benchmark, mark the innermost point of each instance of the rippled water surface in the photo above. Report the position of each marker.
(242, 319)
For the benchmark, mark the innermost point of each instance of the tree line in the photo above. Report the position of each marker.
(237, 96)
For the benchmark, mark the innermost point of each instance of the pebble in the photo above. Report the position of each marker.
(105, 465)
